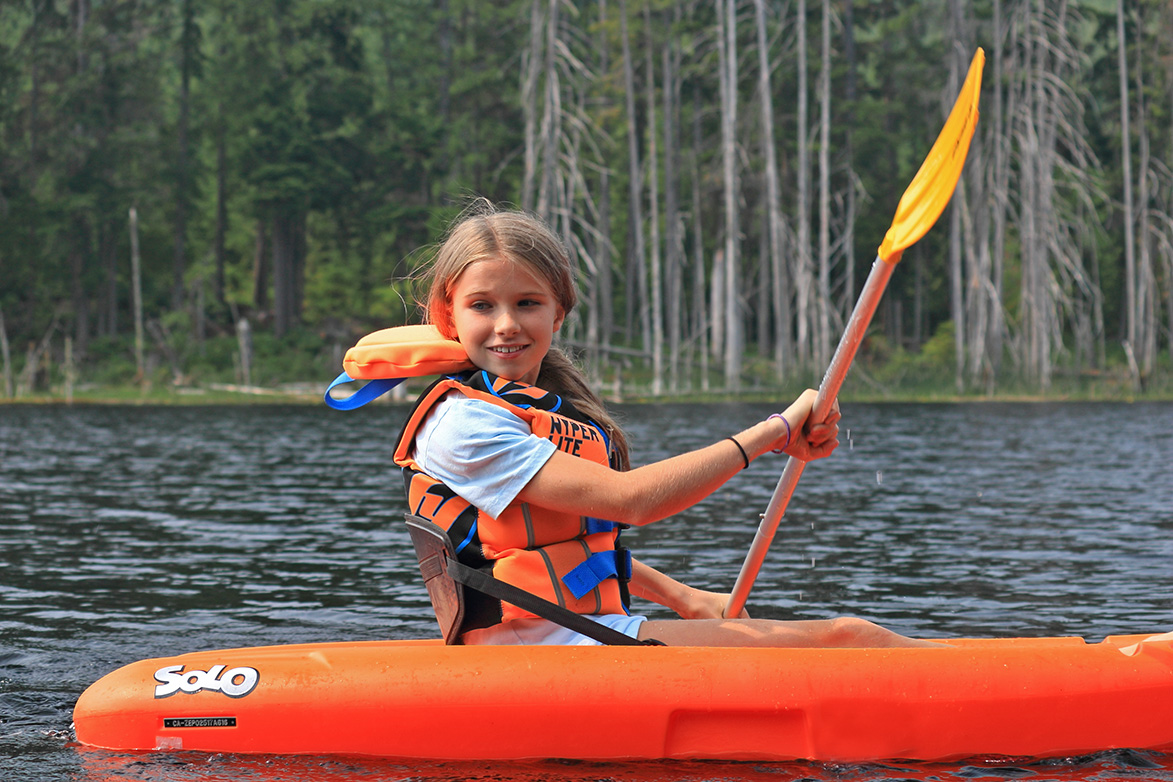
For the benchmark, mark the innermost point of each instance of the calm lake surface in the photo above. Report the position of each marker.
(131, 532)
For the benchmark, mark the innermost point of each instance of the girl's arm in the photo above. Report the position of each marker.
(655, 491)
(689, 602)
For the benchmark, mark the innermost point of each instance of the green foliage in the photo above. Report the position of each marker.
(366, 125)
(110, 362)
(302, 355)
(932, 366)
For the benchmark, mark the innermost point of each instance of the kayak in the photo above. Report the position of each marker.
(420, 699)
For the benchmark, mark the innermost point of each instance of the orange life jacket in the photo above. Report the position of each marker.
(574, 561)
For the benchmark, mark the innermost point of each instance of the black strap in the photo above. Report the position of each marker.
(495, 587)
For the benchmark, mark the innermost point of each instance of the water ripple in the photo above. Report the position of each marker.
(135, 532)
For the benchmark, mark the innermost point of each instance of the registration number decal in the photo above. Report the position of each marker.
(199, 722)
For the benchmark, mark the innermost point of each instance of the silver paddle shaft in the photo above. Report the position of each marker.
(853, 334)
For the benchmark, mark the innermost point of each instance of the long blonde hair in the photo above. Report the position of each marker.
(484, 232)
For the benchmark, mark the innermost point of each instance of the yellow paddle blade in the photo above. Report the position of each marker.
(925, 199)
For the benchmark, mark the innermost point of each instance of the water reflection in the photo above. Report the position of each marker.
(189, 767)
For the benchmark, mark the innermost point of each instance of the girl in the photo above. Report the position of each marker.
(522, 465)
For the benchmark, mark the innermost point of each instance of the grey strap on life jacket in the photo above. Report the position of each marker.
(445, 578)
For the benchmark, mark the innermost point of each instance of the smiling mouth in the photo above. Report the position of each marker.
(507, 350)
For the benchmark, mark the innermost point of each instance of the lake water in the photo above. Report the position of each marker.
(133, 532)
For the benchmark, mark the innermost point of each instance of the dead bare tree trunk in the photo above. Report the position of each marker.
(774, 229)
(1037, 303)
(701, 320)
(1054, 225)
(657, 290)
(980, 303)
(602, 304)
(727, 32)
(1000, 184)
(717, 304)
(531, 68)
(635, 187)
(673, 229)
(956, 289)
(823, 350)
(244, 341)
(551, 128)
(1147, 299)
(802, 260)
(1130, 299)
(849, 153)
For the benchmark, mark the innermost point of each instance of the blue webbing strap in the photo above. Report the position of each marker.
(597, 567)
(594, 525)
(372, 390)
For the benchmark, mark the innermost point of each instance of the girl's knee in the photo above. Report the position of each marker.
(851, 631)
(848, 631)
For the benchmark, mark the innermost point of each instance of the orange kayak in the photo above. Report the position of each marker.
(420, 699)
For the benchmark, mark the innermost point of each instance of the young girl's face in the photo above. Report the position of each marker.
(505, 317)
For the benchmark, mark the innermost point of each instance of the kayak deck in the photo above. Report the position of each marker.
(420, 699)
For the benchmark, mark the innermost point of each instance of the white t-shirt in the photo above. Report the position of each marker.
(481, 451)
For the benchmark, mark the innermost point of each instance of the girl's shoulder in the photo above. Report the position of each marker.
(460, 415)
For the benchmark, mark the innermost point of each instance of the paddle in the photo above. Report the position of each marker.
(919, 207)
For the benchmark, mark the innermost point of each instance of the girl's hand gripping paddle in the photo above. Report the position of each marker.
(919, 207)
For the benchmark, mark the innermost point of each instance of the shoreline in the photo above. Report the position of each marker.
(304, 394)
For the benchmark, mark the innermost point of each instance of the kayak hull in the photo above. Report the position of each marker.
(419, 699)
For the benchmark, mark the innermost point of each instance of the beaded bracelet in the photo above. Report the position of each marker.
(783, 448)
(744, 455)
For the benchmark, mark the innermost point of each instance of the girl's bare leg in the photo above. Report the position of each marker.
(842, 633)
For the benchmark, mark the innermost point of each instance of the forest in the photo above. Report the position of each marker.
(203, 192)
